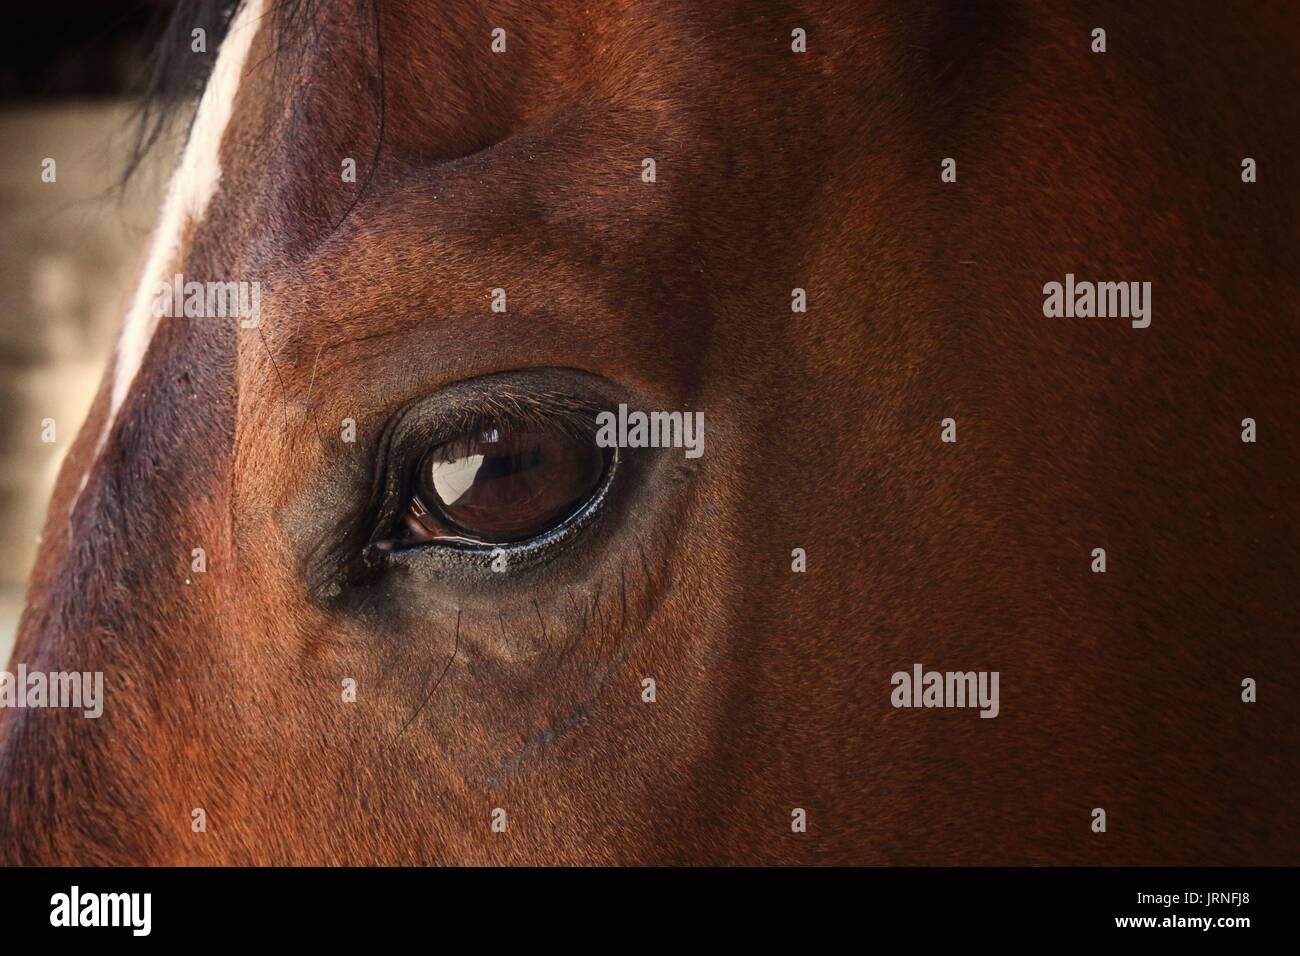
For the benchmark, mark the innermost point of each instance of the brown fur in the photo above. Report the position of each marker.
(774, 171)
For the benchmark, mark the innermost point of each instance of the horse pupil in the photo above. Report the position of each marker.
(505, 484)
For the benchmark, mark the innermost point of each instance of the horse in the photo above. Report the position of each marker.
(364, 588)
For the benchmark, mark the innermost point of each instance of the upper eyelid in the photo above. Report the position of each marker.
(542, 409)
(511, 409)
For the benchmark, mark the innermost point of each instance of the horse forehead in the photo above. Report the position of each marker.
(453, 81)
(543, 144)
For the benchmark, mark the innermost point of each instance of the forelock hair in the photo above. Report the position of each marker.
(179, 75)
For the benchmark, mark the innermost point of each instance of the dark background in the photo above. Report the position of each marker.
(77, 48)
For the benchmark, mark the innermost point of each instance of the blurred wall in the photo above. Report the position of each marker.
(69, 253)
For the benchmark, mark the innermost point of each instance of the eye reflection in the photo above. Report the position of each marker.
(452, 479)
(503, 484)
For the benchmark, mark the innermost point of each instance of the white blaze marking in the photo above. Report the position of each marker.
(188, 196)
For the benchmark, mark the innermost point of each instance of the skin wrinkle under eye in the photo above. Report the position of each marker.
(613, 660)
(589, 631)
(578, 714)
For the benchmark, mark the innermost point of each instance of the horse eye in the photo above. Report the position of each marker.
(503, 484)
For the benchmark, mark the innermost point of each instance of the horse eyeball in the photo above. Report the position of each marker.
(504, 483)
